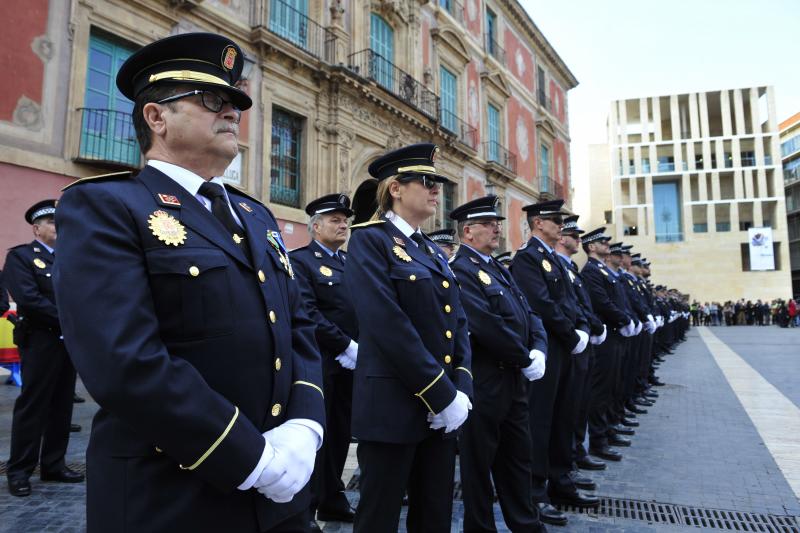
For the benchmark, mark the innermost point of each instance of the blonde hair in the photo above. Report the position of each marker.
(383, 197)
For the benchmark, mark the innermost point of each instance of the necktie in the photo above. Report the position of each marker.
(338, 258)
(222, 211)
(417, 238)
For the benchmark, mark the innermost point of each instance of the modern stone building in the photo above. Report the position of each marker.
(790, 158)
(684, 176)
(335, 84)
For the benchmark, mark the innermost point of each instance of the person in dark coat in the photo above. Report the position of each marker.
(319, 269)
(4, 305)
(413, 380)
(42, 415)
(181, 312)
(445, 240)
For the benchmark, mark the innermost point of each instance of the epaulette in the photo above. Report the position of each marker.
(19, 246)
(453, 258)
(100, 177)
(523, 246)
(366, 224)
(244, 193)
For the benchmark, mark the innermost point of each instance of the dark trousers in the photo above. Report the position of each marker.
(552, 414)
(327, 489)
(604, 377)
(43, 410)
(617, 410)
(424, 469)
(584, 364)
(495, 445)
(632, 364)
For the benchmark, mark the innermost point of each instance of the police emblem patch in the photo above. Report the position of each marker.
(325, 271)
(39, 263)
(484, 277)
(399, 241)
(402, 254)
(169, 199)
(546, 265)
(228, 57)
(167, 228)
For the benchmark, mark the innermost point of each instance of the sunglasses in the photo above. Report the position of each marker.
(426, 181)
(210, 100)
(559, 221)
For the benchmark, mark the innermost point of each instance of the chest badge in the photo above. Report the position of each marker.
(246, 207)
(167, 228)
(168, 199)
(318, 255)
(399, 241)
(484, 277)
(325, 271)
(402, 254)
(546, 265)
(39, 263)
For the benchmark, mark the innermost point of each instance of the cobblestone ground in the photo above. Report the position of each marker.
(696, 448)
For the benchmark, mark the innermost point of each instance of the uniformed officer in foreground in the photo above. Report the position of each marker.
(445, 239)
(43, 411)
(181, 313)
(508, 351)
(319, 269)
(413, 380)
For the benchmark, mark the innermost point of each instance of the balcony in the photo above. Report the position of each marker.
(669, 237)
(291, 25)
(497, 153)
(494, 49)
(375, 67)
(108, 138)
(790, 176)
(466, 134)
(455, 9)
(549, 186)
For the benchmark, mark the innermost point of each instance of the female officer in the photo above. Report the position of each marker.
(413, 378)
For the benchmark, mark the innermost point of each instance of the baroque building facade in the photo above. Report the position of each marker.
(335, 84)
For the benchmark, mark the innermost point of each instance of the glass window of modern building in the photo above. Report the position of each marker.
(667, 211)
(287, 130)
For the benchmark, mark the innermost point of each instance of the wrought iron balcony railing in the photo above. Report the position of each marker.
(495, 152)
(108, 137)
(294, 26)
(465, 133)
(401, 84)
(550, 186)
(494, 49)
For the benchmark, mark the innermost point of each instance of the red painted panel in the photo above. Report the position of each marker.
(475, 188)
(522, 138)
(557, 98)
(561, 163)
(519, 59)
(294, 233)
(23, 71)
(473, 16)
(474, 99)
(426, 43)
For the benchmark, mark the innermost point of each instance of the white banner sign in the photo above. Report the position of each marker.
(761, 256)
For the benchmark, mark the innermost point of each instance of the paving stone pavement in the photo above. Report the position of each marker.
(696, 447)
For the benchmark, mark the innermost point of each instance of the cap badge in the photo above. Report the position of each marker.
(39, 263)
(167, 228)
(399, 241)
(246, 207)
(169, 199)
(402, 254)
(546, 265)
(325, 271)
(484, 277)
(228, 57)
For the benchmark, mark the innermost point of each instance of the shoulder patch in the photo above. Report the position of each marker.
(99, 177)
(367, 224)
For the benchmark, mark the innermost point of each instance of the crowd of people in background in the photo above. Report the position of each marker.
(779, 312)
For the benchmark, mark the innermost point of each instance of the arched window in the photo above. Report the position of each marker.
(381, 42)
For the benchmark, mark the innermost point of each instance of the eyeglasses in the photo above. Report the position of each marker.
(210, 100)
(426, 181)
(491, 224)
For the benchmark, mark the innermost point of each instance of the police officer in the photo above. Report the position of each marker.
(543, 280)
(413, 380)
(43, 410)
(319, 269)
(4, 306)
(505, 259)
(445, 239)
(182, 314)
(508, 350)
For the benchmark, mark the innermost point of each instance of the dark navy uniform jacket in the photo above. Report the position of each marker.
(28, 276)
(321, 280)
(606, 293)
(191, 349)
(635, 296)
(3, 295)
(413, 348)
(503, 328)
(595, 324)
(545, 284)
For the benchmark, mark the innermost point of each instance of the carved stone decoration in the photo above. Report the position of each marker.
(43, 47)
(391, 9)
(337, 10)
(394, 139)
(28, 114)
(344, 169)
(346, 138)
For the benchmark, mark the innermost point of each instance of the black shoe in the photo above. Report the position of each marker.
(636, 409)
(622, 430)
(651, 394)
(642, 402)
(77, 399)
(336, 515)
(630, 422)
(65, 475)
(576, 499)
(580, 481)
(19, 487)
(590, 463)
(550, 515)
(656, 382)
(607, 453)
(74, 428)
(616, 440)
(313, 527)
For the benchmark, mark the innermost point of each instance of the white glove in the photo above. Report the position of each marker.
(453, 415)
(535, 370)
(584, 340)
(295, 447)
(638, 328)
(349, 356)
(660, 321)
(627, 331)
(650, 325)
(599, 339)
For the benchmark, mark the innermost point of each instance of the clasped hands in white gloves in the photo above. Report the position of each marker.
(294, 448)
(582, 342)
(599, 339)
(629, 330)
(638, 329)
(452, 416)
(535, 370)
(650, 325)
(349, 356)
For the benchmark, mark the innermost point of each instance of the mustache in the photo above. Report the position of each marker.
(228, 127)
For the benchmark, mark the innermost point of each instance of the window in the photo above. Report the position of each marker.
(381, 42)
(491, 31)
(790, 146)
(542, 95)
(107, 132)
(288, 19)
(448, 100)
(748, 158)
(448, 203)
(286, 149)
(666, 163)
(545, 165)
(493, 116)
(608, 217)
(667, 212)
